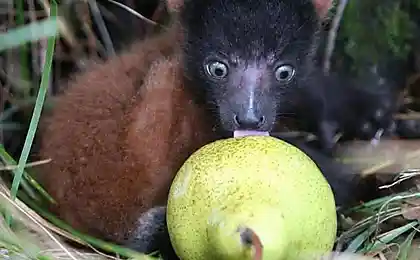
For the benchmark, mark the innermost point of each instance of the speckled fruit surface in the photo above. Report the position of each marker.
(258, 182)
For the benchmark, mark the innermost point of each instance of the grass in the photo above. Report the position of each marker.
(18, 221)
(384, 228)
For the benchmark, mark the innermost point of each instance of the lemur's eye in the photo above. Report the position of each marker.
(285, 73)
(379, 114)
(366, 127)
(217, 69)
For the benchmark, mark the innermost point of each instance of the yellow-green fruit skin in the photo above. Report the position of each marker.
(257, 181)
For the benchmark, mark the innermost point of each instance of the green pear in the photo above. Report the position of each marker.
(253, 197)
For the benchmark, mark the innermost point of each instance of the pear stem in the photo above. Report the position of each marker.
(250, 238)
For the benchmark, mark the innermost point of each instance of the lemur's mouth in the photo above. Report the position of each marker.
(240, 133)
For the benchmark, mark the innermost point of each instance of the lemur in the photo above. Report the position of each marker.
(120, 131)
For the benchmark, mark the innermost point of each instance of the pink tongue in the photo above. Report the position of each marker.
(240, 133)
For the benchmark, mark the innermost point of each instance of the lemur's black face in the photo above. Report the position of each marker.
(377, 117)
(246, 93)
(244, 66)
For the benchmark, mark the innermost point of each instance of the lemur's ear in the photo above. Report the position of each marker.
(322, 7)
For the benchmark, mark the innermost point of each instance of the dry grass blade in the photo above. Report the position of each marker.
(408, 116)
(388, 156)
(36, 234)
(130, 10)
(13, 167)
(64, 27)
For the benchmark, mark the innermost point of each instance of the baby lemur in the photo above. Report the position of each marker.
(120, 132)
(351, 107)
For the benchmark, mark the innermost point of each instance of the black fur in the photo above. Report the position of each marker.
(247, 41)
(408, 128)
(152, 234)
(353, 108)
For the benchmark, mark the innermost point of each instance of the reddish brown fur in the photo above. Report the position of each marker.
(116, 144)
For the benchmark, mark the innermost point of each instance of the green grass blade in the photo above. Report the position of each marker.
(37, 110)
(391, 235)
(28, 33)
(406, 246)
(25, 185)
(24, 50)
(108, 247)
(8, 160)
(378, 203)
(360, 239)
